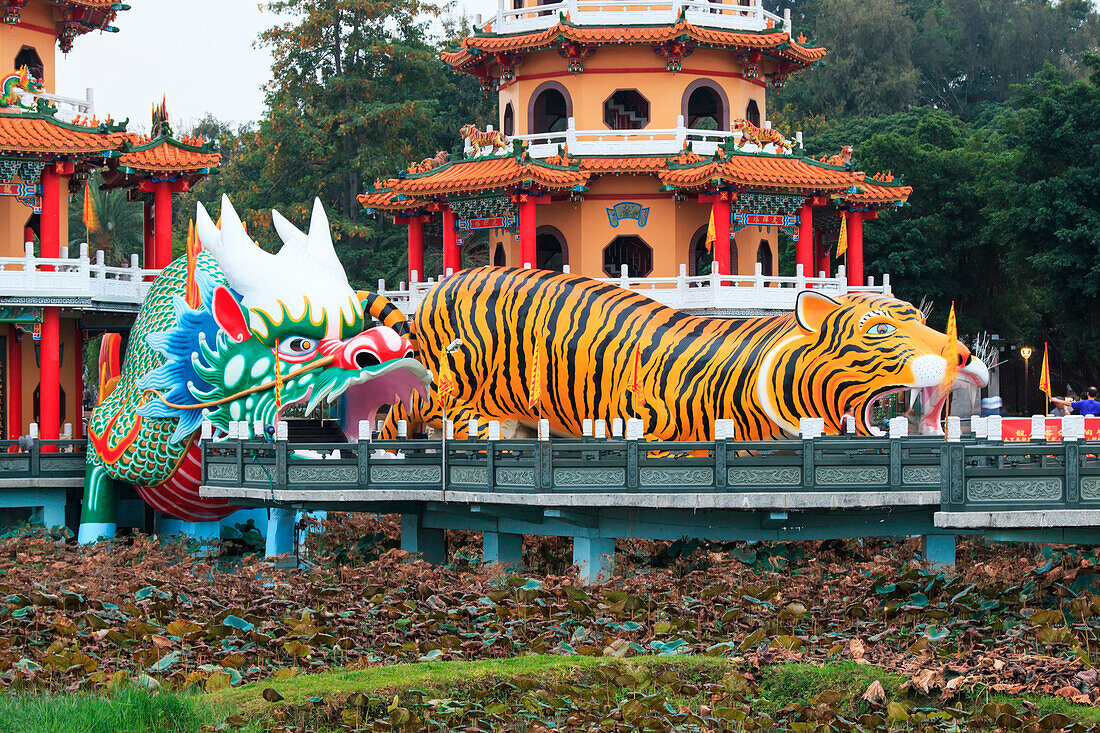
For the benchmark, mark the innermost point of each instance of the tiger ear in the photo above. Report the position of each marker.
(811, 309)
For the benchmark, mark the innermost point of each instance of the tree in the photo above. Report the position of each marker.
(122, 224)
(869, 69)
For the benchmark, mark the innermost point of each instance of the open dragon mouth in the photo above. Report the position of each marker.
(932, 398)
(368, 390)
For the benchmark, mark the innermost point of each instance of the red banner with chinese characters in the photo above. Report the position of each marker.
(1019, 428)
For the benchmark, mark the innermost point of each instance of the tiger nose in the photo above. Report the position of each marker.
(964, 354)
(371, 348)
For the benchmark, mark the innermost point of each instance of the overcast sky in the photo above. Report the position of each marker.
(200, 53)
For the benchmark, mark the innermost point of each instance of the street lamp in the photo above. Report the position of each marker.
(1025, 351)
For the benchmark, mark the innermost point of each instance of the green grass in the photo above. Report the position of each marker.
(133, 710)
(140, 710)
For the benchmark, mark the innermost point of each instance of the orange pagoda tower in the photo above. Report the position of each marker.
(625, 129)
(53, 298)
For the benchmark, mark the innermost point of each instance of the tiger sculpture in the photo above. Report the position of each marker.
(764, 373)
(481, 139)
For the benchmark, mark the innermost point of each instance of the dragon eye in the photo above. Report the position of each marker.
(297, 346)
(881, 329)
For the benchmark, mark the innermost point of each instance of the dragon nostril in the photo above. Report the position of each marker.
(365, 359)
(964, 359)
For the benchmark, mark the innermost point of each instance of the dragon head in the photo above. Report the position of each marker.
(282, 329)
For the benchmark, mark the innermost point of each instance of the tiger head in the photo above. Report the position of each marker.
(855, 350)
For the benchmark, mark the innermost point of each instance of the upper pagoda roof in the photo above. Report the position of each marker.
(77, 17)
(684, 172)
(142, 154)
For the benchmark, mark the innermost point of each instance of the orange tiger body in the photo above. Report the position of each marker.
(764, 373)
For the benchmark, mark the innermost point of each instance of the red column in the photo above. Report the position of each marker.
(49, 346)
(416, 248)
(49, 380)
(854, 255)
(78, 362)
(821, 265)
(28, 236)
(528, 252)
(720, 210)
(148, 250)
(162, 229)
(15, 384)
(452, 255)
(804, 250)
(50, 227)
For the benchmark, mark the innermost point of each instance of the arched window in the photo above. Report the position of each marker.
(764, 257)
(626, 109)
(700, 258)
(509, 125)
(500, 259)
(550, 109)
(705, 106)
(630, 251)
(551, 252)
(28, 57)
(752, 113)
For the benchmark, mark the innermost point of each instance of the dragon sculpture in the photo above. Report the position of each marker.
(522, 344)
(230, 332)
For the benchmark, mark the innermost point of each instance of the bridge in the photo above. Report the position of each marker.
(597, 490)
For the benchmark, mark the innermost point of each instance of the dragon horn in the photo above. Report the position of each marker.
(319, 242)
(208, 231)
(287, 232)
(245, 265)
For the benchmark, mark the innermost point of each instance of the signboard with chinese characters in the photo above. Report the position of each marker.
(627, 210)
(486, 222)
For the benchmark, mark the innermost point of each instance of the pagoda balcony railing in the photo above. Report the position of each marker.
(646, 141)
(72, 278)
(713, 292)
(68, 108)
(746, 15)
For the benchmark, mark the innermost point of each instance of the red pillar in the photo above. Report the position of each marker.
(720, 210)
(50, 227)
(78, 395)
(28, 235)
(15, 384)
(528, 252)
(416, 248)
(804, 250)
(148, 250)
(162, 229)
(49, 345)
(452, 255)
(821, 264)
(854, 255)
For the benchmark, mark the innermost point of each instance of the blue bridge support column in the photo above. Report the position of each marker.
(416, 539)
(197, 531)
(280, 533)
(594, 558)
(939, 550)
(503, 548)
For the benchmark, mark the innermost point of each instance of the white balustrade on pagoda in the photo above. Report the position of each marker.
(646, 141)
(77, 278)
(746, 15)
(713, 293)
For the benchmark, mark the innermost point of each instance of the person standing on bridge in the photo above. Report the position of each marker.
(1089, 406)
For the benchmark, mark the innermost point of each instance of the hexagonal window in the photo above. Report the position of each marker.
(630, 251)
(626, 109)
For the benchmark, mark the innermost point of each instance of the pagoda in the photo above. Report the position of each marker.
(52, 300)
(624, 130)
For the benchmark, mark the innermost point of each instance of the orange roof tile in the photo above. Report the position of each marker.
(767, 171)
(878, 193)
(780, 44)
(486, 174)
(38, 133)
(686, 171)
(166, 155)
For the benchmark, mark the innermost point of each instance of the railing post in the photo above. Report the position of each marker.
(544, 471)
(492, 435)
(36, 451)
(633, 435)
(1038, 428)
(624, 277)
(758, 277)
(807, 429)
(282, 479)
(681, 132)
(571, 127)
(841, 280)
(364, 452)
(799, 278)
(1073, 473)
(899, 428)
(723, 431)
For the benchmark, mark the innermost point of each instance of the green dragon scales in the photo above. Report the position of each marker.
(233, 333)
